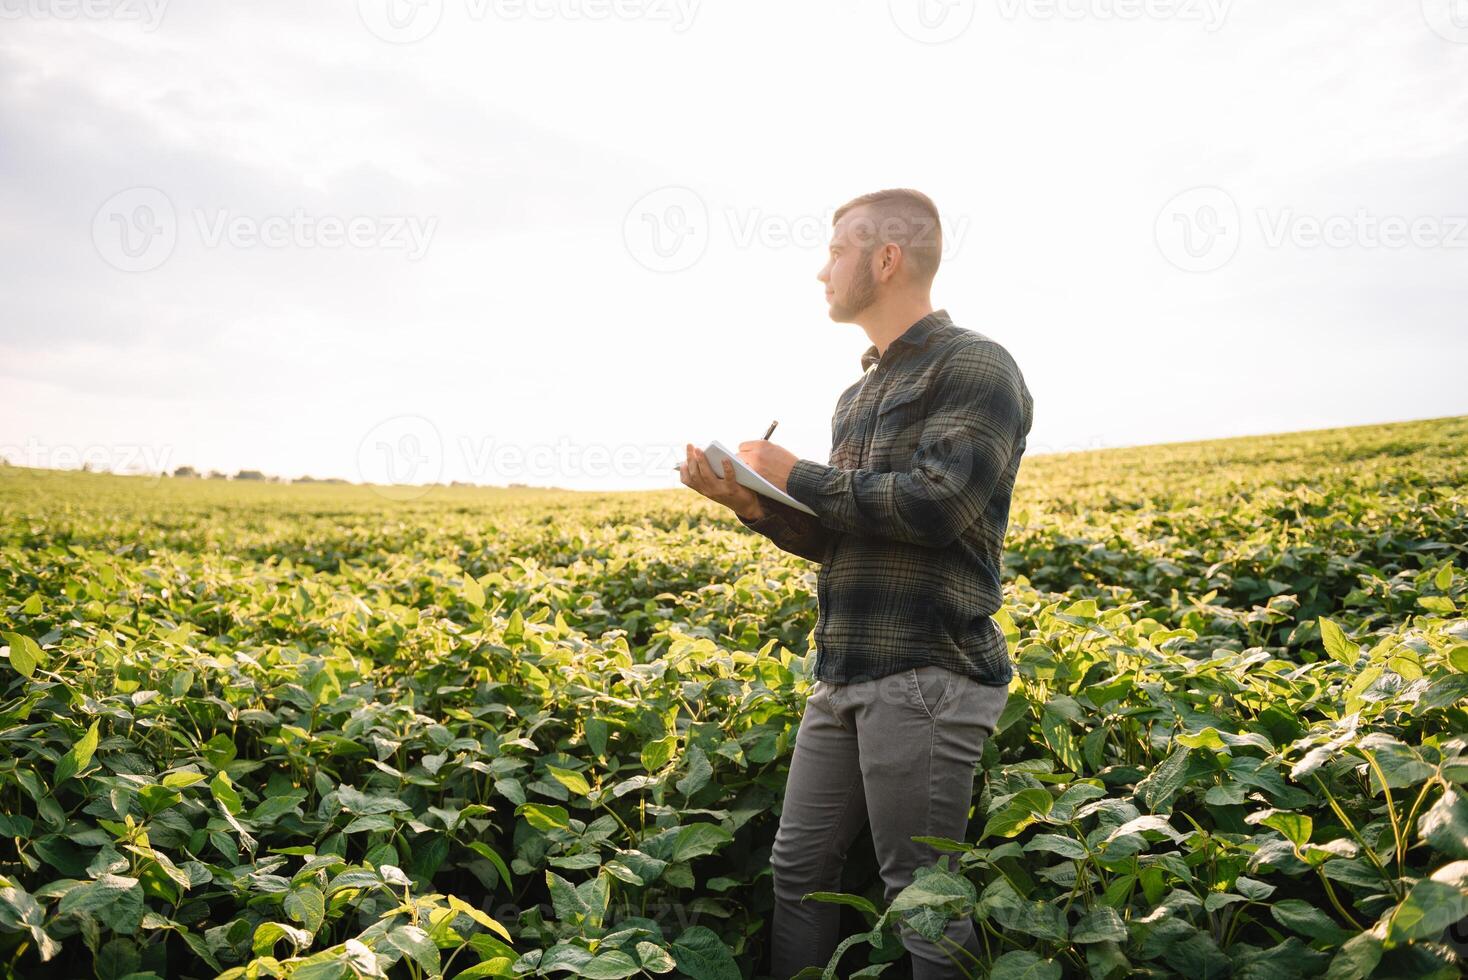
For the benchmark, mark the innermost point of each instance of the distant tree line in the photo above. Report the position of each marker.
(189, 472)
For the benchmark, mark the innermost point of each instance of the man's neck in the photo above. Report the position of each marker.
(885, 323)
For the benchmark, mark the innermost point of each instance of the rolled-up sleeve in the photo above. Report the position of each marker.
(791, 530)
(968, 438)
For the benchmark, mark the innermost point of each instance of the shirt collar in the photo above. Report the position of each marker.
(917, 336)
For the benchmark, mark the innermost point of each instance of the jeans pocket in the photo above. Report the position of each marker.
(930, 685)
(992, 701)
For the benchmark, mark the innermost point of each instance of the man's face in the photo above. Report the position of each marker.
(850, 285)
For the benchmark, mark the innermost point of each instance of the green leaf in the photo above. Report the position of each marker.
(1165, 780)
(1458, 657)
(1253, 889)
(219, 751)
(180, 780)
(1139, 825)
(1021, 964)
(569, 904)
(492, 856)
(699, 839)
(1057, 844)
(1057, 734)
(358, 803)
(16, 825)
(1429, 908)
(699, 772)
(936, 895)
(353, 878)
(473, 592)
(478, 915)
(306, 905)
(1297, 827)
(654, 958)
(267, 934)
(1101, 924)
(113, 900)
(312, 968)
(415, 944)
(543, 816)
(1021, 810)
(1337, 644)
(657, 753)
(515, 626)
(156, 798)
(1445, 825)
(225, 794)
(701, 955)
(611, 965)
(1306, 919)
(118, 959)
(573, 781)
(1402, 764)
(1229, 794)
(371, 824)
(78, 757)
(25, 654)
(842, 898)
(597, 732)
(1356, 959)
(1317, 854)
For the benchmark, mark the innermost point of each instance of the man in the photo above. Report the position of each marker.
(911, 671)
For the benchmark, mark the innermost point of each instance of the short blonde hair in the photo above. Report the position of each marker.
(906, 218)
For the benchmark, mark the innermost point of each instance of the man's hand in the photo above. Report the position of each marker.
(698, 473)
(770, 461)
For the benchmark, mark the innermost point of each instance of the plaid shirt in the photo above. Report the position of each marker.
(912, 510)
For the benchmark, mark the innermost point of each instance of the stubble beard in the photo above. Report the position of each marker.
(861, 294)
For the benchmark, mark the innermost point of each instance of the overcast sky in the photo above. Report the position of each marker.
(551, 241)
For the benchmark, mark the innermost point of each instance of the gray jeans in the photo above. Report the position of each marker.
(900, 751)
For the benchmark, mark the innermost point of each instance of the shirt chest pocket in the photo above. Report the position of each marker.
(898, 428)
(848, 434)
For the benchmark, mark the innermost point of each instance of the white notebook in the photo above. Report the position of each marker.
(746, 477)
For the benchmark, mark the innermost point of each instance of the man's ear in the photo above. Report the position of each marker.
(891, 252)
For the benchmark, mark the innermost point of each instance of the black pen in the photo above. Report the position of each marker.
(768, 432)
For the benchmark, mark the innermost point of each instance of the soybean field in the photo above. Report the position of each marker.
(311, 731)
